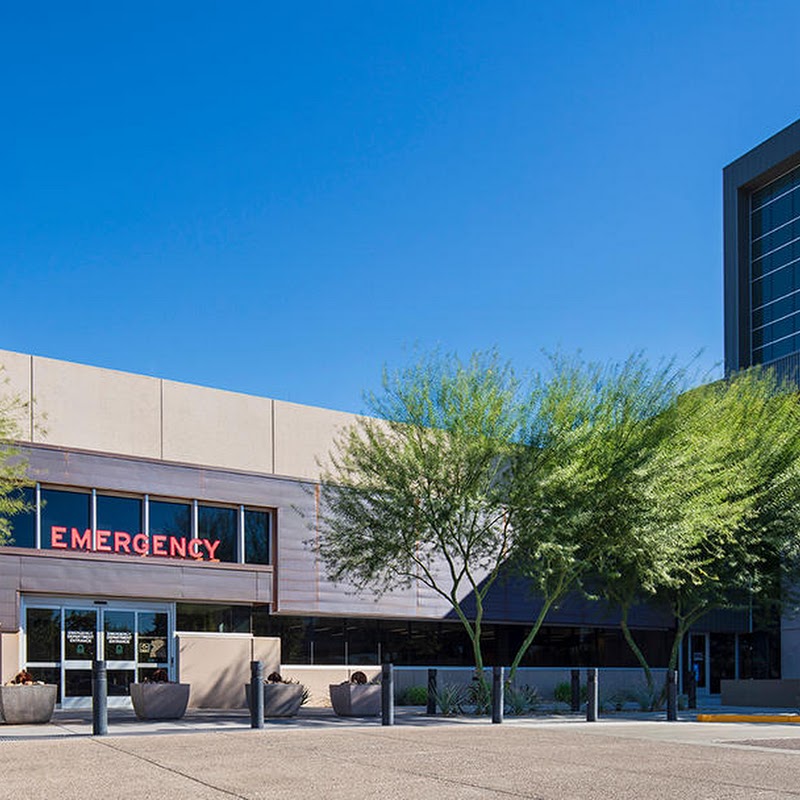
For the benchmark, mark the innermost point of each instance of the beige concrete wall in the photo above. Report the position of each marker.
(15, 381)
(218, 666)
(10, 655)
(319, 678)
(97, 409)
(90, 408)
(304, 434)
(210, 426)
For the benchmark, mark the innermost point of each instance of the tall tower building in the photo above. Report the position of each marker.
(761, 218)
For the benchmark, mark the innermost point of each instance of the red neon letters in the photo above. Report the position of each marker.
(140, 544)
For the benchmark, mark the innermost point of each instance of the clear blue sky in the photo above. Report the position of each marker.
(279, 199)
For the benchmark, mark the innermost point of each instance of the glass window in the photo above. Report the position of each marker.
(119, 514)
(118, 627)
(170, 519)
(43, 634)
(152, 638)
(256, 537)
(219, 525)
(22, 524)
(213, 618)
(79, 634)
(66, 518)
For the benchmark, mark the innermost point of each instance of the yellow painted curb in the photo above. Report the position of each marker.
(786, 718)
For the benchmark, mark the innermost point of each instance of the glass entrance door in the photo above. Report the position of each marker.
(697, 660)
(62, 641)
(79, 648)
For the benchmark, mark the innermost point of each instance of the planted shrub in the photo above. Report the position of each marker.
(479, 695)
(450, 699)
(521, 700)
(413, 696)
(563, 692)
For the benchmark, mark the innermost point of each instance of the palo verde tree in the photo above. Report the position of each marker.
(731, 494)
(420, 492)
(720, 511)
(580, 485)
(13, 477)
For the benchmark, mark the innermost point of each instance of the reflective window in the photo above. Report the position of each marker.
(66, 518)
(119, 513)
(22, 524)
(170, 519)
(79, 634)
(256, 537)
(775, 266)
(213, 618)
(118, 628)
(43, 634)
(152, 638)
(219, 525)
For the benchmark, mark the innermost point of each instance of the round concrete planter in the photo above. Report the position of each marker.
(26, 705)
(159, 700)
(356, 700)
(280, 699)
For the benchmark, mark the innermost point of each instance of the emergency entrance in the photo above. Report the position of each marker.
(63, 637)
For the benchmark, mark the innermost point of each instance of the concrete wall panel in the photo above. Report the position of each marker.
(303, 434)
(15, 382)
(210, 426)
(98, 409)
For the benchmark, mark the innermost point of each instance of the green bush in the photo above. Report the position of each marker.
(563, 692)
(413, 696)
(521, 700)
(450, 699)
(479, 695)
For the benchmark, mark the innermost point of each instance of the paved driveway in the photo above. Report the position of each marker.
(438, 760)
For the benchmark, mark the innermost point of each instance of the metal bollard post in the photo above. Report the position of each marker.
(692, 690)
(497, 695)
(387, 695)
(591, 691)
(432, 689)
(575, 685)
(99, 698)
(672, 695)
(256, 694)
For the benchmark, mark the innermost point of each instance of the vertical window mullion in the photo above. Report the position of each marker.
(93, 518)
(38, 532)
(241, 535)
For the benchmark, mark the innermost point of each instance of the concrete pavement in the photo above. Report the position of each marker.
(322, 756)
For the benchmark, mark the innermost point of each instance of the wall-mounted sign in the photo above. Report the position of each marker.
(141, 544)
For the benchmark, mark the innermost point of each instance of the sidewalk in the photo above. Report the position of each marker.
(319, 755)
(66, 723)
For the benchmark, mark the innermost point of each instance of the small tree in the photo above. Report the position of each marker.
(421, 493)
(720, 507)
(13, 467)
(580, 488)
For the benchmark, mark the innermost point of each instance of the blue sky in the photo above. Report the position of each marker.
(280, 199)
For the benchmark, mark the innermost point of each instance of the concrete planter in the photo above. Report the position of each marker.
(159, 700)
(280, 699)
(25, 705)
(356, 700)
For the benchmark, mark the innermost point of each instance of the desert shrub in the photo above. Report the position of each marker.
(479, 695)
(413, 696)
(450, 699)
(521, 700)
(563, 692)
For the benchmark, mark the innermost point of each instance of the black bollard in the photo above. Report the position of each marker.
(99, 698)
(432, 689)
(387, 695)
(591, 695)
(672, 695)
(575, 685)
(497, 695)
(692, 690)
(256, 694)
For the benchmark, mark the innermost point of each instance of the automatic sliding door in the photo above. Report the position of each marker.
(80, 638)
